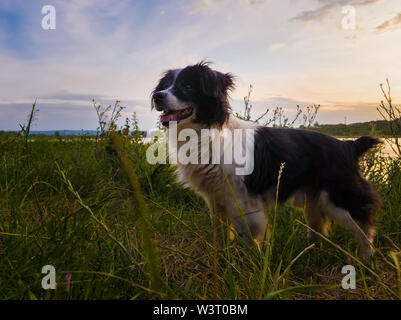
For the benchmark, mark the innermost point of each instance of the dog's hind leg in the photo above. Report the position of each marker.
(344, 218)
(368, 204)
(316, 220)
(314, 215)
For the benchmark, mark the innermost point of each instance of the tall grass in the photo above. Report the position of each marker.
(124, 229)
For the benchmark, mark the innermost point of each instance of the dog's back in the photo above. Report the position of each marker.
(312, 161)
(325, 170)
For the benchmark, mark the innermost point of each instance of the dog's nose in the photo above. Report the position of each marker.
(158, 99)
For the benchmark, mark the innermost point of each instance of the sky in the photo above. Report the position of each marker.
(293, 52)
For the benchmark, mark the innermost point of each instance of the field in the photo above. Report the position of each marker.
(116, 233)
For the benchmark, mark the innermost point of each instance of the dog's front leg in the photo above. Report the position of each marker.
(220, 220)
(251, 225)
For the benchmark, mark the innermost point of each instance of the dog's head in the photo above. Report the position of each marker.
(195, 94)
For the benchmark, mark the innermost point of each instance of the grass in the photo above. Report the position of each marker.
(124, 229)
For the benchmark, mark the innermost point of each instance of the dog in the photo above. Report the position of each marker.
(319, 173)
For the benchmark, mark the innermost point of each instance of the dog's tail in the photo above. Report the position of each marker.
(363, 144)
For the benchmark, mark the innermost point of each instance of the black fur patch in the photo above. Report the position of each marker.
(205, 88)
(166, 81)
(313, 162)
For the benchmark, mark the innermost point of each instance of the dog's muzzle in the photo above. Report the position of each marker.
(159, 100)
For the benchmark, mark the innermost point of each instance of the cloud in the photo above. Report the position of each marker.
(351, 112)
(70, 111)
(331, 111)
(251, 2)
(276, 46)
(326, 7)
(211, 6)
(289, 105)
(65, 95)
(390, 24)
(204, 6)
(106, 51)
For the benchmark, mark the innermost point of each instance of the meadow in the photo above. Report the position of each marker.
(116, 227)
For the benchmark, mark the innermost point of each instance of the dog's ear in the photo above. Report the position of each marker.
(215, 87)
(216, 84)
(225, 82)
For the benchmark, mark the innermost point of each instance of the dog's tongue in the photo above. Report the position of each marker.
(169, 117)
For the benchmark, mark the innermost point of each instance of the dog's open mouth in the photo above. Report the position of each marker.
(175, 115)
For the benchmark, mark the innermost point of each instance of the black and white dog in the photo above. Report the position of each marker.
(320, 174)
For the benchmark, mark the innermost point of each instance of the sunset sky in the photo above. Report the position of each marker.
(291, 51)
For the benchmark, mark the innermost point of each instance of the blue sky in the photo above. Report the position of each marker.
(291, 51)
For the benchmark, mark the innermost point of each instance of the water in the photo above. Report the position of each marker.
(390, 148)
